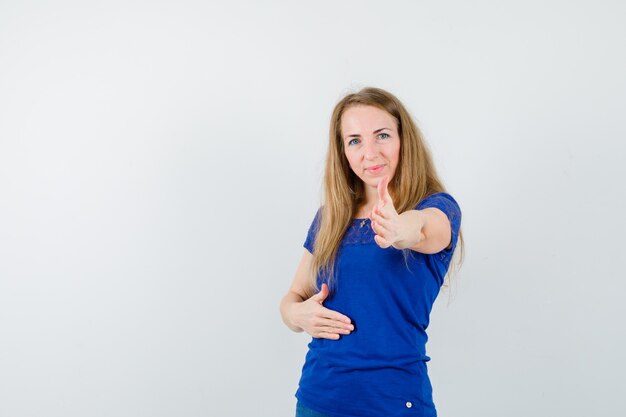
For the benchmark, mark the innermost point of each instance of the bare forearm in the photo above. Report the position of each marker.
(413, 226)
(286, 307)
(434, 230)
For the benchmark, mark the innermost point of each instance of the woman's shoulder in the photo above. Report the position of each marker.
(438, 196)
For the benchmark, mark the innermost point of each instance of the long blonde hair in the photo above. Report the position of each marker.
(415, 179)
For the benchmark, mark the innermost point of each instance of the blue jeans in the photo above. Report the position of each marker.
(302, 411)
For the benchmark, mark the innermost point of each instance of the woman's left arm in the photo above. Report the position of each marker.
(427, 231)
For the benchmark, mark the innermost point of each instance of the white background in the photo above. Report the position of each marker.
(161, 161)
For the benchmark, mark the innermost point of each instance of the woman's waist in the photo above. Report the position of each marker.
(351, 354)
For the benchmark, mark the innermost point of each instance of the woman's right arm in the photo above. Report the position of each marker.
(309, 315)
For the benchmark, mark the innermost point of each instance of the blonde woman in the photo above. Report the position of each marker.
(376, 255)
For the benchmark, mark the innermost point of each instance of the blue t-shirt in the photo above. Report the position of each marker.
(379, 369)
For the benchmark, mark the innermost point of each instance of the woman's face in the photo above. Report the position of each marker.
(371, 143)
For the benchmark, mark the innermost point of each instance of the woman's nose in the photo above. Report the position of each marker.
(370, 150)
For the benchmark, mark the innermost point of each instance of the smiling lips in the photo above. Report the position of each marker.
(375, 169)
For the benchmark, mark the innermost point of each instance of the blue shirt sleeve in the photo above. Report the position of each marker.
(447, 204)
(309, 243)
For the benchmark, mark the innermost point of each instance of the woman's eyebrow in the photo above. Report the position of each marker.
(356, 135)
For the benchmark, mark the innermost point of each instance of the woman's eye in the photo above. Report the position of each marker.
(383, 136)
(351, 141)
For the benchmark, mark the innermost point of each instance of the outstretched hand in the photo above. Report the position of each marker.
(392, 229)
(385, 220)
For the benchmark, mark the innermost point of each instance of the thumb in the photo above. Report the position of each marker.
(322, 295)
(383, 191)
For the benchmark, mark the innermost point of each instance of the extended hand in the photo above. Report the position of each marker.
(386, 222)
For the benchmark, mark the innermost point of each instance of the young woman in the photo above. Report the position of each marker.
(377, 253)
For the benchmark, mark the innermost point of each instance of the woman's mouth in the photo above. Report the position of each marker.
(375, 169)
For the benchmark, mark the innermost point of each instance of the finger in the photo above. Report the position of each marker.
(331, 330)
(331, 336)
(382, 190)
(380, 230)
(381, 242)
(377, 215)
(333, 315)
(387, 211)
(375, 227)
(335, 324)
(322, 295)
(382, 220)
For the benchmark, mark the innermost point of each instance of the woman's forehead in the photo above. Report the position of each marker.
(366, 118)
